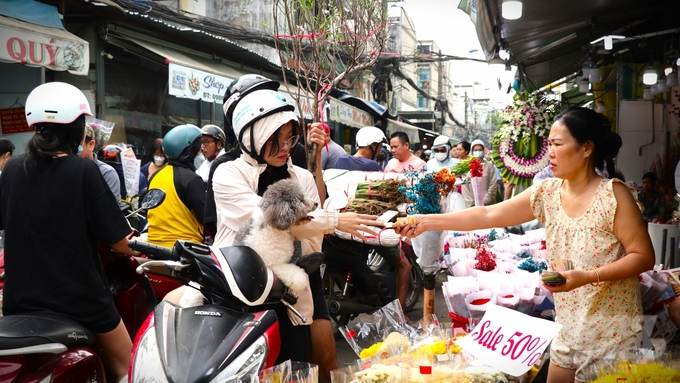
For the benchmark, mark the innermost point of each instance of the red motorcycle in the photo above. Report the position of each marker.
(52, 348)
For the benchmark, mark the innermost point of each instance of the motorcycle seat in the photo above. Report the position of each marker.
(41, 333)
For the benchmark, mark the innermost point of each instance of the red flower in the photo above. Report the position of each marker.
(476, 168)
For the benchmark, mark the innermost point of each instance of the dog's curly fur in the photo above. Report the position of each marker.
(267, 231)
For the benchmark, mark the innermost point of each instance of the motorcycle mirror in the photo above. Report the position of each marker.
(153, 198)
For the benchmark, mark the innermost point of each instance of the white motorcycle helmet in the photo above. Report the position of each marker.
(369, 135)
(253, 107)
(56, 103)
(441, 141)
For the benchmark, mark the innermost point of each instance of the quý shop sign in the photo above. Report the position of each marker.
(59, 51)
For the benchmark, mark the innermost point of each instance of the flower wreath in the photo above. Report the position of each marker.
(520, 147)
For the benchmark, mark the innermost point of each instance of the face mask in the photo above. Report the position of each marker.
(479, 153)
(198, 161)
(158, 160)
(441, 157)
(80, 149)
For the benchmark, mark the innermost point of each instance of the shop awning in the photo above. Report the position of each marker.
(189, 75)
(40, 46)
(365, 105)
(348, 115)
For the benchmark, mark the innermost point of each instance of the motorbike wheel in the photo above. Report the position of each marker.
(415, 288)
(333, 285)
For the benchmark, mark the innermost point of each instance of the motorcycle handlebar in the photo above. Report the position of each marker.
(153, 251)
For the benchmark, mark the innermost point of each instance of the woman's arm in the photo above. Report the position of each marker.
(629, 228)
(316, 134)
(507, 213)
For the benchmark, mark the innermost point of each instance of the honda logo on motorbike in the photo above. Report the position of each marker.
(208, 313)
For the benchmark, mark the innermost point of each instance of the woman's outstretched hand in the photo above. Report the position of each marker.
(410, 226)
(355, 224)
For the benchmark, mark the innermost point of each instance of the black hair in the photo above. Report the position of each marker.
(274, 138)
(6, 146)
(156, 145)
(51, 139)
(651, 176)
(465, 145)
(587, 125)
(403, 137)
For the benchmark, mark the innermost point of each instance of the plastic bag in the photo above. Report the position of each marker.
(102, 131)
(291, 372)
(429, 247)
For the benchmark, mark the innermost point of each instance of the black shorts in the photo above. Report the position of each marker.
(392, 254)
(106, 320)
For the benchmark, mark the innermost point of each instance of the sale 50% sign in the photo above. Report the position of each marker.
(509, 340)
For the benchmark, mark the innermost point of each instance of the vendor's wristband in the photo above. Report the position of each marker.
(598, 277)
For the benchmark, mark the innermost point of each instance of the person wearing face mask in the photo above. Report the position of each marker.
(6, 151)
(159, 159)
(180, 216)
(489, 178)
(440, 153)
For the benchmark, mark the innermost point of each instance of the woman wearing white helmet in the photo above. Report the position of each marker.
(55, 207)
(266, 129)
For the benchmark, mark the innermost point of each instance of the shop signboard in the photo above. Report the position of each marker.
(349, 115)
(37, 46)
(13, 120)
(195, 84)
(508, 340)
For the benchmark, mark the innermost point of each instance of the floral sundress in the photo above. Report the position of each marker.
(593, 317)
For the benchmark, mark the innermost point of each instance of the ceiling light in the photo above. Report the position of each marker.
(650, 76)
(583, 86)
(647, 94)
(608, 41)
(595, 75)
(579, 76)
(672, 79)
(600, 107)
(668, 70)
(511, 9)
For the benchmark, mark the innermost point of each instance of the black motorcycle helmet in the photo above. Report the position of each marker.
(109, 154)
(241, 87)
(215, 132)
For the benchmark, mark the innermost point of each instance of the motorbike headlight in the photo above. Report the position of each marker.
(148, 366)
(246, 367)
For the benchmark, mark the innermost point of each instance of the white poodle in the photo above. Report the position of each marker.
(267, 231)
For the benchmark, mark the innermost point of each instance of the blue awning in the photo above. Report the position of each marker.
(32, 12)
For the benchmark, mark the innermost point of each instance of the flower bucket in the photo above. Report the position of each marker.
(478, 302)
(459, 321)
(478, 190)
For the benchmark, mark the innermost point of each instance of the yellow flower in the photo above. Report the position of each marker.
(370, 352)
(647, 373)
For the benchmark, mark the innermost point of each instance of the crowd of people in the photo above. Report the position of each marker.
(213, 186)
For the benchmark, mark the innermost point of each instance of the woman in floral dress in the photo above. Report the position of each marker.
(591, 221)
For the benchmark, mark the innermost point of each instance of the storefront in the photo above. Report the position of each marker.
(346, 120)
(34, 48)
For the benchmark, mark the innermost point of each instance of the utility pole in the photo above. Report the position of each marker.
(440, 92)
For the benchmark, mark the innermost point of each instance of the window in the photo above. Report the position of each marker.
(423, 103)
(423, 75)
